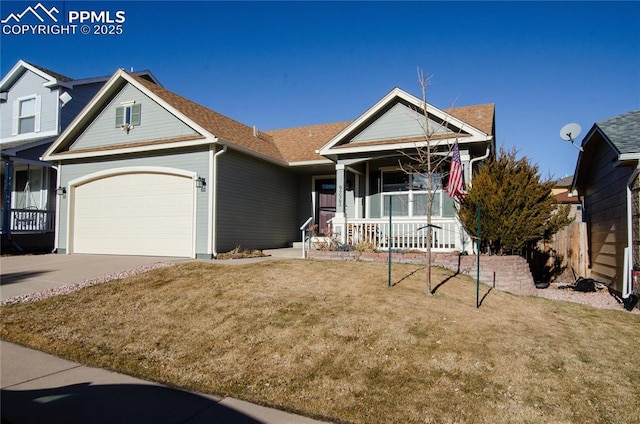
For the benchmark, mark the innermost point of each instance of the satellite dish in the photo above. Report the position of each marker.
(570, 132)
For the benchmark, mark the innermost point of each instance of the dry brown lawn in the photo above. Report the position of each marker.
(330, 339)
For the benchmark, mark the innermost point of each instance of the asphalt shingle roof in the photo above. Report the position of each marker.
(623, 131)
(291, 144)
(217, 124)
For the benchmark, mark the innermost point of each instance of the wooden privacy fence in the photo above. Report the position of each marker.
(565, 253)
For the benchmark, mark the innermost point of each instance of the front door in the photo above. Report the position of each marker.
(325, 203)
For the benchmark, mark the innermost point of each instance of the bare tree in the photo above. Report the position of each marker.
(428, 160)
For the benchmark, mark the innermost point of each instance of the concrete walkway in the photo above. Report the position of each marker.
(41, 388)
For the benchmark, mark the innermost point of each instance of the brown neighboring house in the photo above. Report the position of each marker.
(606, 179)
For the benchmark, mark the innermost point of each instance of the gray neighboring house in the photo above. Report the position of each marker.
(607, 180)
(36, 104)
(148, 172)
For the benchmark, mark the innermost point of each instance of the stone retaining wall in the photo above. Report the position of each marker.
(506, 273)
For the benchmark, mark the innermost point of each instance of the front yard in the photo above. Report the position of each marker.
(330, 339)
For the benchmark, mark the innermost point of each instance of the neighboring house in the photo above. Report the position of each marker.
(148, 172)
(564, 256)
(565, 195)
(36, 104)
(607, 180)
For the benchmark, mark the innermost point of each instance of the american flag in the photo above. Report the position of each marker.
(455, 188)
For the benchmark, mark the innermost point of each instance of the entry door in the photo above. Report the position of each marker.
(325, 203)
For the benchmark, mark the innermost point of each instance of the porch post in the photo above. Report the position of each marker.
(6, 202)
(465, 159)
(339, 220)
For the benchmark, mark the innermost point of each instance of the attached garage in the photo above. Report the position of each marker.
(129, 212)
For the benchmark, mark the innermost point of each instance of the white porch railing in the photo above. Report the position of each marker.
(407, 234)
(31, 221)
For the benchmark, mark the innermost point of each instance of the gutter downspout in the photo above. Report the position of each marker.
(486, 155)
(58, 198)
(214, 199)
(627, 280)
(6, 211)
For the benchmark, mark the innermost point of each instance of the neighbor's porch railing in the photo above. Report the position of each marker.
(407, 234)
(30, 221)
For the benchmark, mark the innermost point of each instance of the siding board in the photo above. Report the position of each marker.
(256, 203)
(27, 85)
(605, 211)
(400, 121)
(156, 123)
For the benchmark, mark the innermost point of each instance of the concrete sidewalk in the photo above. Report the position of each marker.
(40, 388)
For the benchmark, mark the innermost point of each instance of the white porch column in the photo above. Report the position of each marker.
(465, 159)
(340, 219)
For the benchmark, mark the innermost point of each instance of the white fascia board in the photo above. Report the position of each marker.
(397, 92)
(311, 162)
(17, 70)
(184, 118)
(125, 150)
(81, 117)
(39, 135)
(405, 145)
(87, 114)
(628, 156)
(361, 119)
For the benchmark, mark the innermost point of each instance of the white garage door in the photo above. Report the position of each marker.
(134, 214)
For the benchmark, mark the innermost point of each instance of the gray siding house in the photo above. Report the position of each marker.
(148, 172)
(36, 104)
(607, 180)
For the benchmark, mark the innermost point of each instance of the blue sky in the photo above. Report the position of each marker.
(288, 64)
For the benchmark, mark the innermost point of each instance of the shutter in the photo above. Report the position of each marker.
(119, 116)
(16, 115)
(136, 114)
(38, 106)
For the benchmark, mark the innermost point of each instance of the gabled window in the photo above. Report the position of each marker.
(26, 115)
(129, 114)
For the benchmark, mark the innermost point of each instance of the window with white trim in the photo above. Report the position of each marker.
(409, 194)
(26, 115)
(128, 115)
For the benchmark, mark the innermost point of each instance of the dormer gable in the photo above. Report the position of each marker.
(398, 121)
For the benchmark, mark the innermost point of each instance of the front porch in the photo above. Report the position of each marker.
(28, 221)
(447, 235)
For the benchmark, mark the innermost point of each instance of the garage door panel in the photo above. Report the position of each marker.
(135, 214)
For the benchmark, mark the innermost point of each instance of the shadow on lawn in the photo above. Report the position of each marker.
(407, 276)
(114, 403)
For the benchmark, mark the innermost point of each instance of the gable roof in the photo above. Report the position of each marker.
(52, 78)
(288, 146)
(212, 127)
(55, 79)
(465, 119)
(623, 132)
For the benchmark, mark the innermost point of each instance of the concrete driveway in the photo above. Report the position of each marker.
(24, 274)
